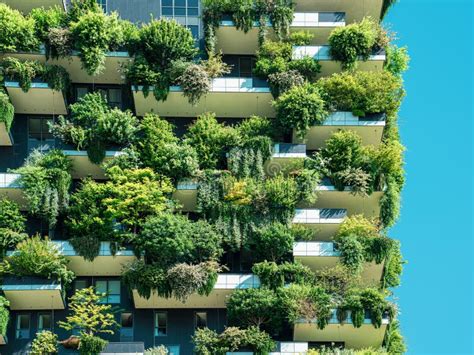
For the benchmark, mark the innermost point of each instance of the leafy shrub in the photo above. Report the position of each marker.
(45, 342)
(355, 40)
(362, 92)
(17, 33)
(185, 279)
(12, 225)
(397, 60)
(4, 315)
(393, 341)
(211, 140)
(59, 43)
(301, 38)
(300, 108)
(272, 57)
(92, 34)
(195, 83)
(273, 242)
(275, 276)
(207, 341)
(91, 345)
(352, 253)
(157, 350)
(38, 257)
(46, 180)
(282, 82)
(258, 307)
(255, 126)
(308, 67)
(7, 110)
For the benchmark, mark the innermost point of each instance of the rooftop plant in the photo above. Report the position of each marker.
(46, 342)
(91, 318)
(12, 225)
(274, 276)
(38, 257)
(26, 71)
(17, 33)
(4, 315)
(356, 40)
(92, 124)
(115, 211)
(397, 59)
(46, 179)
(7, 110)
(207, 341)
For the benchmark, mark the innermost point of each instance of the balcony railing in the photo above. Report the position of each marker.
(322, 53)
(66, 249)
(319, 216)
(9, 181)
(344, 118)
(319, 19)
(289, 150)
(229, 84)
(315, 249)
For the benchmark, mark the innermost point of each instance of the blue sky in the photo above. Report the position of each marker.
(435, 227)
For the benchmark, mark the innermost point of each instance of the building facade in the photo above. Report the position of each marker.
(37, 303)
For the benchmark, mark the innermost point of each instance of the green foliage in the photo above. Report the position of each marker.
(211, 140)
(159, 149)
(300, 108)
(195, 83)
(272, 57)
(17, 33)
(92, 125)
(46, 180)
(49, 29)
(361, 300)
(356, 40)
(92, 34)
(4, 315)
(248, 160)
(157, 350)
(394, 342)
(255, 126)
(306, 302)
(7, 110)
(284, 81)
(12, 225)
(89, 316)
(45, 342)
(274, 275)
(397, 60)
(208, 342)
(273, 242)
(308, 67)
(280, 13)
(301, 38)
(393, 267)
(79, 8)
(38, 257)
(91, 345)
(362, 92)
(257, 307)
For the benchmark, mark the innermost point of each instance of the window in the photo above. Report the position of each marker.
(126, 329)
(161, 324)
(194, 31)
(39, 136)
(103, 4)
(81, 92)
(173, 349)
(23, 326)
(80, 284)
(113, 96)
(200, 320)
(111, 289)
(44, 322)
(172, 8)
(246, 66)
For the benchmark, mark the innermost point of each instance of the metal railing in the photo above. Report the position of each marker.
(315, 249)
(237, 281)
(316, 215)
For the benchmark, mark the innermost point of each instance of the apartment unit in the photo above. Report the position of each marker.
(315, 226)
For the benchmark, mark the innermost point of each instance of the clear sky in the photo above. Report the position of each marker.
(435, 227)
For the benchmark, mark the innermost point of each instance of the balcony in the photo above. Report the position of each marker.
(284, 156)
(32, 293)
(11, 189)
(6, 138)
(353, 338)
(40, 99)
(282, 348)
(226, 284)
(82, 167)
(228, 97)
(330, 66)
(186, 194)
(230, 40)
(25, 6)
(324, 222)
(127, 348)
(330, 197)
(353, 9)
(320, 255)
(105, 264)
(369, 128)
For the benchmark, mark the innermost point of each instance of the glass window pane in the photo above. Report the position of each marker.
(194, 31)
(167, 11)
(81, 92)
(160, 323)
(23, 321)
(101, 286)
(80, 284)
(181, 3)
(126, 320)
(245, 67)
(44, 321)
(193, 12)
(114, 287)
(201, 319)
(180, 11)
(166, 3)
(192, 3)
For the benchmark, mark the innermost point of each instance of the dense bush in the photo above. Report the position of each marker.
(284, 81)
(274, 275)
(91, 345)
(46, 180)
(4, 315)
(397, 60)
(362, 92)
(195, 83)
(38, 257)
(17, 33)
(355, 40)
(45, 342)
(12, 225)
(300, 108)
(272, 242)
(208, 342)
(7, 110)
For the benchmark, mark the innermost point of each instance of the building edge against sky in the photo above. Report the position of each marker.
(275, 224)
